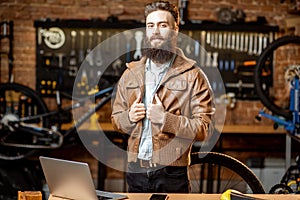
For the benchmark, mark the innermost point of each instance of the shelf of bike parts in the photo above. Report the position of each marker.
(90, 54)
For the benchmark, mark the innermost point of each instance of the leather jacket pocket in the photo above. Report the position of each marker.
(177, 85)
(164, 136)
(132, 84)
(132, 88)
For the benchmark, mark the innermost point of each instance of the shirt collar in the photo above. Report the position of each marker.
(163, 67)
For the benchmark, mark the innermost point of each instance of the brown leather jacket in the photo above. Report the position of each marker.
(188, 100)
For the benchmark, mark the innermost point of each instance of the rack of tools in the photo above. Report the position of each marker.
(63, 45)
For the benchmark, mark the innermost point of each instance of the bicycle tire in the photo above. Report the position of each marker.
(238, 169)
(258, 79)
(17, 153)
(280, 189)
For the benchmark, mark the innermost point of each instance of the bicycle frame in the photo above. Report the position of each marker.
(290, 181)
(290, 125)
(104, 94)
(54, 137)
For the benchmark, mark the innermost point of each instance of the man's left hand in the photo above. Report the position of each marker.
(155, 112)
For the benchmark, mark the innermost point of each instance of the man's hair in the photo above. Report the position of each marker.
(163, 5)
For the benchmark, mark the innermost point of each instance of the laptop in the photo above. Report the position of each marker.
(72, 180)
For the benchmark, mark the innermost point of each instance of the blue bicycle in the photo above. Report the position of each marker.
(282, 101)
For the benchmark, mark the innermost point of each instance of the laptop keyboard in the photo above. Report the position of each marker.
(103, 195)
(109, 195)
(102, 198)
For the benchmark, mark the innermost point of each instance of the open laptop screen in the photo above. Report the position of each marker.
(71, 179)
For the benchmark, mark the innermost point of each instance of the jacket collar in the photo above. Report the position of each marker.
(181, 63)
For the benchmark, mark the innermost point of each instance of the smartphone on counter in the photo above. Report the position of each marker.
(159, 197)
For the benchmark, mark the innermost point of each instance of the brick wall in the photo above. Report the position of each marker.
(25, 12)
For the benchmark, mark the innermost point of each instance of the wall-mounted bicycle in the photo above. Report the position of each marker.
(283, 101)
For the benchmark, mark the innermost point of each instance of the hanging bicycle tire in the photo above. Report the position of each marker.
(217, 172)
(262, 67)
(17, 101)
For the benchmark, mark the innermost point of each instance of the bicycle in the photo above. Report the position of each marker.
(220, 172)
(27, 125)
(283, 114)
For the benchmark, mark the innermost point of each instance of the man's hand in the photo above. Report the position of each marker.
(137, 110)
(155, 112)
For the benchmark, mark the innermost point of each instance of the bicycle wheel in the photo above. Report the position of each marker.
(18, 101)
(285, 49)
(212, 172)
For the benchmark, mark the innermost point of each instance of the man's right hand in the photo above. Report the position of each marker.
(137, 110)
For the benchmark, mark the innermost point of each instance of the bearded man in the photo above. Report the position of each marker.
(165, 103)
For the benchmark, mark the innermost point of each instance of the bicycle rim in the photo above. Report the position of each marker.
(15, 99)
(212, 172)
(266, 98)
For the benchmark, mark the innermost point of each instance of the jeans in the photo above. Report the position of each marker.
(166, 179)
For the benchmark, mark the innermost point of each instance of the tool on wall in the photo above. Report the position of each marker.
(189, 49)
(128, 35)
(60, 74)
(117, 64)
(138, 36)
(203, 45)
(98, 55)
(89, 56)
(81, 46)
(72, 68)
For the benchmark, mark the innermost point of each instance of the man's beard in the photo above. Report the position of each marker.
(161, 54)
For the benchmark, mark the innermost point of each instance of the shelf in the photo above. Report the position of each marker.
(130, 24)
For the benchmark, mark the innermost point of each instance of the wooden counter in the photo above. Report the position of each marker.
(145, 196)
(252, 129)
